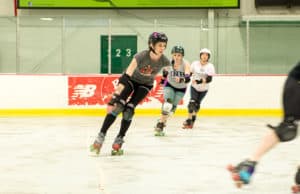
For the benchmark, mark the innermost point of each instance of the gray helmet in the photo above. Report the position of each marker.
(156, 37)
(178, 49)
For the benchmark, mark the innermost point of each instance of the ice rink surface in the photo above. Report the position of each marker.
(50, 155)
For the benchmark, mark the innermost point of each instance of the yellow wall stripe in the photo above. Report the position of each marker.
(139, 112)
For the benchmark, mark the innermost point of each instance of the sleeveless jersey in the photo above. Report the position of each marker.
(172, 74)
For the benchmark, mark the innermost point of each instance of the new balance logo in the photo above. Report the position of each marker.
(84, 91)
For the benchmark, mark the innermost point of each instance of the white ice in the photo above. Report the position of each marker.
(50, 155)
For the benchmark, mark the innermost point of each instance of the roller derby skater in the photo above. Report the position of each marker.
(202, 72)
(285, 131)
(133, 87)
(175, 80)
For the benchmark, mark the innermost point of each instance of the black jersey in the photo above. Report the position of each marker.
(295, 72)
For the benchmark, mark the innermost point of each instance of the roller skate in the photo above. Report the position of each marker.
(96, 146)
(116, 147)
(241, 174)
(296, 187)
(159, 129)
(188, 124)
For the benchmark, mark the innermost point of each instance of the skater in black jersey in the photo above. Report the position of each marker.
(135, 83)
(285, 131)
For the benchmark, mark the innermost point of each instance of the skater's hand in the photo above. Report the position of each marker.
(177, 79)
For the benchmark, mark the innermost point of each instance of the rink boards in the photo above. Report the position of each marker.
(253, 95)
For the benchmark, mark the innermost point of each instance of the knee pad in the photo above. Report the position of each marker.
(297, 176)
(193, 106)
(128, 112)
(286, 131)
(118, 107)
(167, 108)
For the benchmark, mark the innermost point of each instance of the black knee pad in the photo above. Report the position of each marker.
(128, 112)
(193, 106)
(286, 131)
(297, 176)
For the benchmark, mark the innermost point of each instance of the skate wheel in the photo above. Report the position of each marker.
(238, 184)
(236, 177)
(159, 134)
(117, 152)
(296, 189)
(230, 167)
(95, 149)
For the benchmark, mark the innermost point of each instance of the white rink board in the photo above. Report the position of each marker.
(226, 92)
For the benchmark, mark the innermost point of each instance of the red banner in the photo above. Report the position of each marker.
(97, 90)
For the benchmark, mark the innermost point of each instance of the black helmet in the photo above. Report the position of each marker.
(156, 37)
(178, 49)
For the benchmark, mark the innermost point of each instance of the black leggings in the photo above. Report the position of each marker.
(136, 92)
(291, 99)
(197, 96)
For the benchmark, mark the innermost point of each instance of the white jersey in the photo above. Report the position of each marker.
(201, 71)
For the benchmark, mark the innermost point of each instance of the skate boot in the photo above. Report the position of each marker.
(159, 129)
(241, 174)
(96, 146)
(296, 187)
(116, 147)
(188, 124)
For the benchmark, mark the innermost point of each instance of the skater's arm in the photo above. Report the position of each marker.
(131, 67)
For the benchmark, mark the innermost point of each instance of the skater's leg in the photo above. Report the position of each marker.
(287, 129)
(167, 105)
(117, 103)
(266, 144)
(138, 95)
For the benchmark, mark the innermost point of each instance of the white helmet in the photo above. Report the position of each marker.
(205, 50)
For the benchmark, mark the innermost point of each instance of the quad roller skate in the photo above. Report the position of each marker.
(96, 146)
(188, 124)
(116, 147)
(241, 174)
(159, 129)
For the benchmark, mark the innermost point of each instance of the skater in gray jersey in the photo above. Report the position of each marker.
(133, 87)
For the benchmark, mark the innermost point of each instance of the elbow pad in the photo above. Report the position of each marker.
(124, 78)
(199, 81)
(187, 78)
(165, 73)
(208, 78)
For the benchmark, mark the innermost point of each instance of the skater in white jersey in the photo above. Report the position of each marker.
(133, 87)
(285, 131)
(175, 80)
(202, 73)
